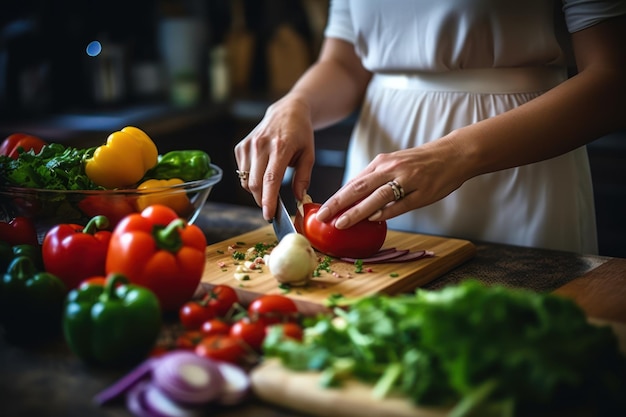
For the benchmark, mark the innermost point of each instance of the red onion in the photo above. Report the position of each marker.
(125, 383)
(147, 400)
(187, 377)
(236, 383)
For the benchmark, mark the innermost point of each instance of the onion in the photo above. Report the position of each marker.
(125, 383)
(187, 377)
(392, 255)
(236, 383)
(147, 400)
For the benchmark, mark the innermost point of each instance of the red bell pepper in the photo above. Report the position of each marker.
(160, 251)
(11, 145)
(73, 252)
(19, 231)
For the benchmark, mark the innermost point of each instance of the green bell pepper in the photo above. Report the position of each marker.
(8, 253)
(188, 165)
(31, 302)
(113, 324)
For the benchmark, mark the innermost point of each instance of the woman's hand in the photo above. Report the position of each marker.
(284, 138)
(398, 182)
(329, 91)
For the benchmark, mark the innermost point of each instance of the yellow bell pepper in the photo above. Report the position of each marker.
(155, 193)
(123, 160)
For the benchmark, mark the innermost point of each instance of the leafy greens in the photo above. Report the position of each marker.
(56, 167)
(467, 347)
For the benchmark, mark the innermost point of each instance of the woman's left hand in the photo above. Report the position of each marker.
(397, 182)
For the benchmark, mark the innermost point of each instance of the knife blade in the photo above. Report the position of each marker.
(282, 221)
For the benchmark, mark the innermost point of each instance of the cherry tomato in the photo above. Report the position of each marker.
(251, 332)
(290, 330)
(193, 313)
(273, 308)
(215, 326)
(362, 240)
(221, 298)
(189, 339)
(222, 347)
(11, 145)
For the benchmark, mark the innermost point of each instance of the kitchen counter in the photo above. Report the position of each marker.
(47, 380)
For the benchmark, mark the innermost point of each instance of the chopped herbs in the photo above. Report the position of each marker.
(358, 266)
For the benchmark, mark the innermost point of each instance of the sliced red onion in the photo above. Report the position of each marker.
(147, 400)
(390, 256)
(236, 383)
(161, 405)
(125, 383)
(383, 256)
(187, 377)
(413, 256)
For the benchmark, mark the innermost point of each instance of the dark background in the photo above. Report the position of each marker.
(48, 88)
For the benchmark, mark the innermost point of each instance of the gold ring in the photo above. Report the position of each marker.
(243, 175)
(398, 191)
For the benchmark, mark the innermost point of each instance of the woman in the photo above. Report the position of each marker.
(468, 127)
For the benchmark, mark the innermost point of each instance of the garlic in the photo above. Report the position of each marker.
(293, 260)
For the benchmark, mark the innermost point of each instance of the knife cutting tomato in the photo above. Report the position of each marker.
(362, 240)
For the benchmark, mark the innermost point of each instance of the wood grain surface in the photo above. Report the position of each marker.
(388, 278)
(601, 292)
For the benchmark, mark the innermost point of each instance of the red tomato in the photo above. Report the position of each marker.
(193, 314)
(11, 145)
(291, 330)
(362, 240)
(251, 332)
(222, 347)
(221, 298)
(114, 207)
(215, 326)
(273, 308)
(189, 340)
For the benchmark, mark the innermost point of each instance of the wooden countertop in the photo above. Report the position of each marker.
(47, 380)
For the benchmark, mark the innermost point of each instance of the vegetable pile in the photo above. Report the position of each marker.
(127, 162)
(469, 347)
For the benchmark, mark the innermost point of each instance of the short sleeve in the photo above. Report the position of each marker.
(340, 21)
(581, 14)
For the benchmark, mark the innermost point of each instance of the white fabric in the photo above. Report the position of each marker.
(547, 204)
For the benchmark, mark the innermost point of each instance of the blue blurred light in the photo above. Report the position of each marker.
(94, 48)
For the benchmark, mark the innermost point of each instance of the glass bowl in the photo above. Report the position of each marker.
(47, 208)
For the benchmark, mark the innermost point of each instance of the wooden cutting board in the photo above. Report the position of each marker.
(377, 278)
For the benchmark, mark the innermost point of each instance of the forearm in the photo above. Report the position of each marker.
(333, 87)
(571, 115)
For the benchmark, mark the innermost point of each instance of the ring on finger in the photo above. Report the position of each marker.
(243, 175)
(398, 191)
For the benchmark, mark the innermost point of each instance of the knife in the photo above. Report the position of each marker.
(282, 221)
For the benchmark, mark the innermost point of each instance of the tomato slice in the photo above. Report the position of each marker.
(362, 240)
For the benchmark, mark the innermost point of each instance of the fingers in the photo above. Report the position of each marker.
(382, 201)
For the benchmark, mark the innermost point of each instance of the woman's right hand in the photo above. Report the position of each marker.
(283, 138)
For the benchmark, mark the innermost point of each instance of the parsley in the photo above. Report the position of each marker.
(239, 256)
(324, 265)
(470, 346)
(358, 266)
